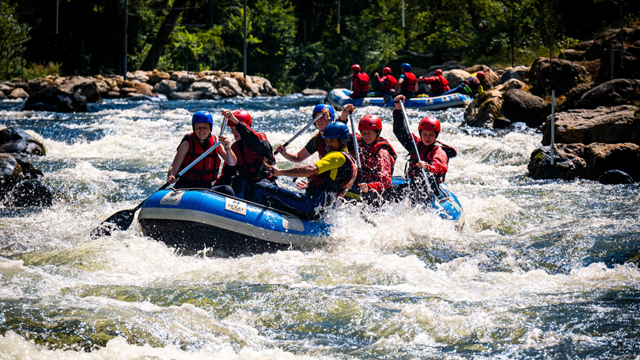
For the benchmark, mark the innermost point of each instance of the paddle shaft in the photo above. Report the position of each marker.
(300, 132)
(355, 145)
(415, 146)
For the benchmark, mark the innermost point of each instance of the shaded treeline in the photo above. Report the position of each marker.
(296, 43)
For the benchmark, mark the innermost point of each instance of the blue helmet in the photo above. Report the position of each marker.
(337, 130)
(406, 67)
(202, 117)
(319, 108)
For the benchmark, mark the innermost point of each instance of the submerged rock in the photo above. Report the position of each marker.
(16, 140)
(614, 177)
(31, 192)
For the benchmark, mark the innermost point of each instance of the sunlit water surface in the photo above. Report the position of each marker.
(539, 270)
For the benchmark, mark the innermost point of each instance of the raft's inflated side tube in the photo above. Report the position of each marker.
(340, 97)
(198, 219)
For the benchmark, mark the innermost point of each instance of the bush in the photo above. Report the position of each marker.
(35, 71)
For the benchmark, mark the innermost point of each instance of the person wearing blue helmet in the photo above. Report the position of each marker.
(315, 144)
(329, 177)
(205, 172)
(407, 83)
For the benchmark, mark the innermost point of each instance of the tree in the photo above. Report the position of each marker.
(13, 35)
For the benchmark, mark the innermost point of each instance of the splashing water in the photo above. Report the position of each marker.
(540, 269)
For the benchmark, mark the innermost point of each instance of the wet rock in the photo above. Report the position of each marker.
(16, 140)
(455, 77)
(614, 177)
(226, 92)
(562, 75)
(18, 93)
(202, 86)
(31, 192)
(573, 97)
(103, 87)
(167, 87)
(568, 165)
(10, 173)
(264, 86)
(521, 106)
(231, 84)
(52, 99)
(82, 86)
(601, 158)
(619, 124)
(314, 92)
(36, 85)
(485, 109)
(611, 93)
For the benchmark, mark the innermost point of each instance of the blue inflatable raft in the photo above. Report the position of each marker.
(195, 219)
(340, 97)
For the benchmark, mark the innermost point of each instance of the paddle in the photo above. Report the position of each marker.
(415, 148)
(299, 132)
(123, 219)
(355, 145)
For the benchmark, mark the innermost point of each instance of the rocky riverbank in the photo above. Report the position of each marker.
(68, 94)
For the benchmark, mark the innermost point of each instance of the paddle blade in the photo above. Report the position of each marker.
(118, 221)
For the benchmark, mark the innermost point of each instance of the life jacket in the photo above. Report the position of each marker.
(363, 81)
(322, 151)
(205, 170)
(369, 158)
(425, 155)
(473, 82)
(409, 83)
(440, 87)
(249, 162)
(346, 177)
(390, 83)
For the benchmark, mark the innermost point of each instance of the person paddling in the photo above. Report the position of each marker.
(194, 144)
(377, 156)
(359, 82)
(387, 82)
(250, 150)
(407, 83)
(439, 85)
(434, 155)
(330, 177)
(315, 144)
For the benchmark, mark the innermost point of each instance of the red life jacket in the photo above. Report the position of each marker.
(409, 83)
(363, 82)
(346, 177)
(389, 83)
(248, 162)
(206, 169)
(426, 154)
(369, 158)
(439, 87)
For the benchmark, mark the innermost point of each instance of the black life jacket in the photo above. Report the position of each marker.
(346, 177)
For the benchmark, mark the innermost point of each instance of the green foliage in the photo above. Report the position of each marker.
(35, 71)
(13, 35)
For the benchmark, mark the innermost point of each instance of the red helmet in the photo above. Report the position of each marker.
(243, 116)
(355, 67)
(386, 71)
(370, 122)
(430, 123)
(480, 75)
(438, 72)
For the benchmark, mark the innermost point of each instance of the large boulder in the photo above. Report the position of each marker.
(16, 140)
(36, 85)
(521, 106)
(184, 77)
(142, 88)
(611, 93)
(157, 77)
(557, 74)
(572, 98)
(6, 88)
(601, 158)
(167, 86)
(613, 177)
(232, 84)
(138, 75)
(264, 86)
(2, 96)
(205, 87)
(82, 86)
(30, 192)
(568, 162)
(619, 124)
(485, 110)
(519, 73)
(226, 92)
(10, 173)
(455, 77)
(52, 99)
(18, 93)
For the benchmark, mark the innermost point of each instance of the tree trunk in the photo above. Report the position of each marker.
(162, 38)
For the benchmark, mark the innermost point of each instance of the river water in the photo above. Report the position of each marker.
(539, 270)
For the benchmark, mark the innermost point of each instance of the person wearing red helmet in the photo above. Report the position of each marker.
(250, 149)
(359, 82)
(439, 85)
(377, 156)
(387, 82)
(434, 155)
(204, 173)
(469, 86)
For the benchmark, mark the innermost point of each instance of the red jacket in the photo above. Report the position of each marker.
(205, 170)
(434, 155)
(360, 84)
(377, 162)
(439, 84)
(388, 83)
(410, 83)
